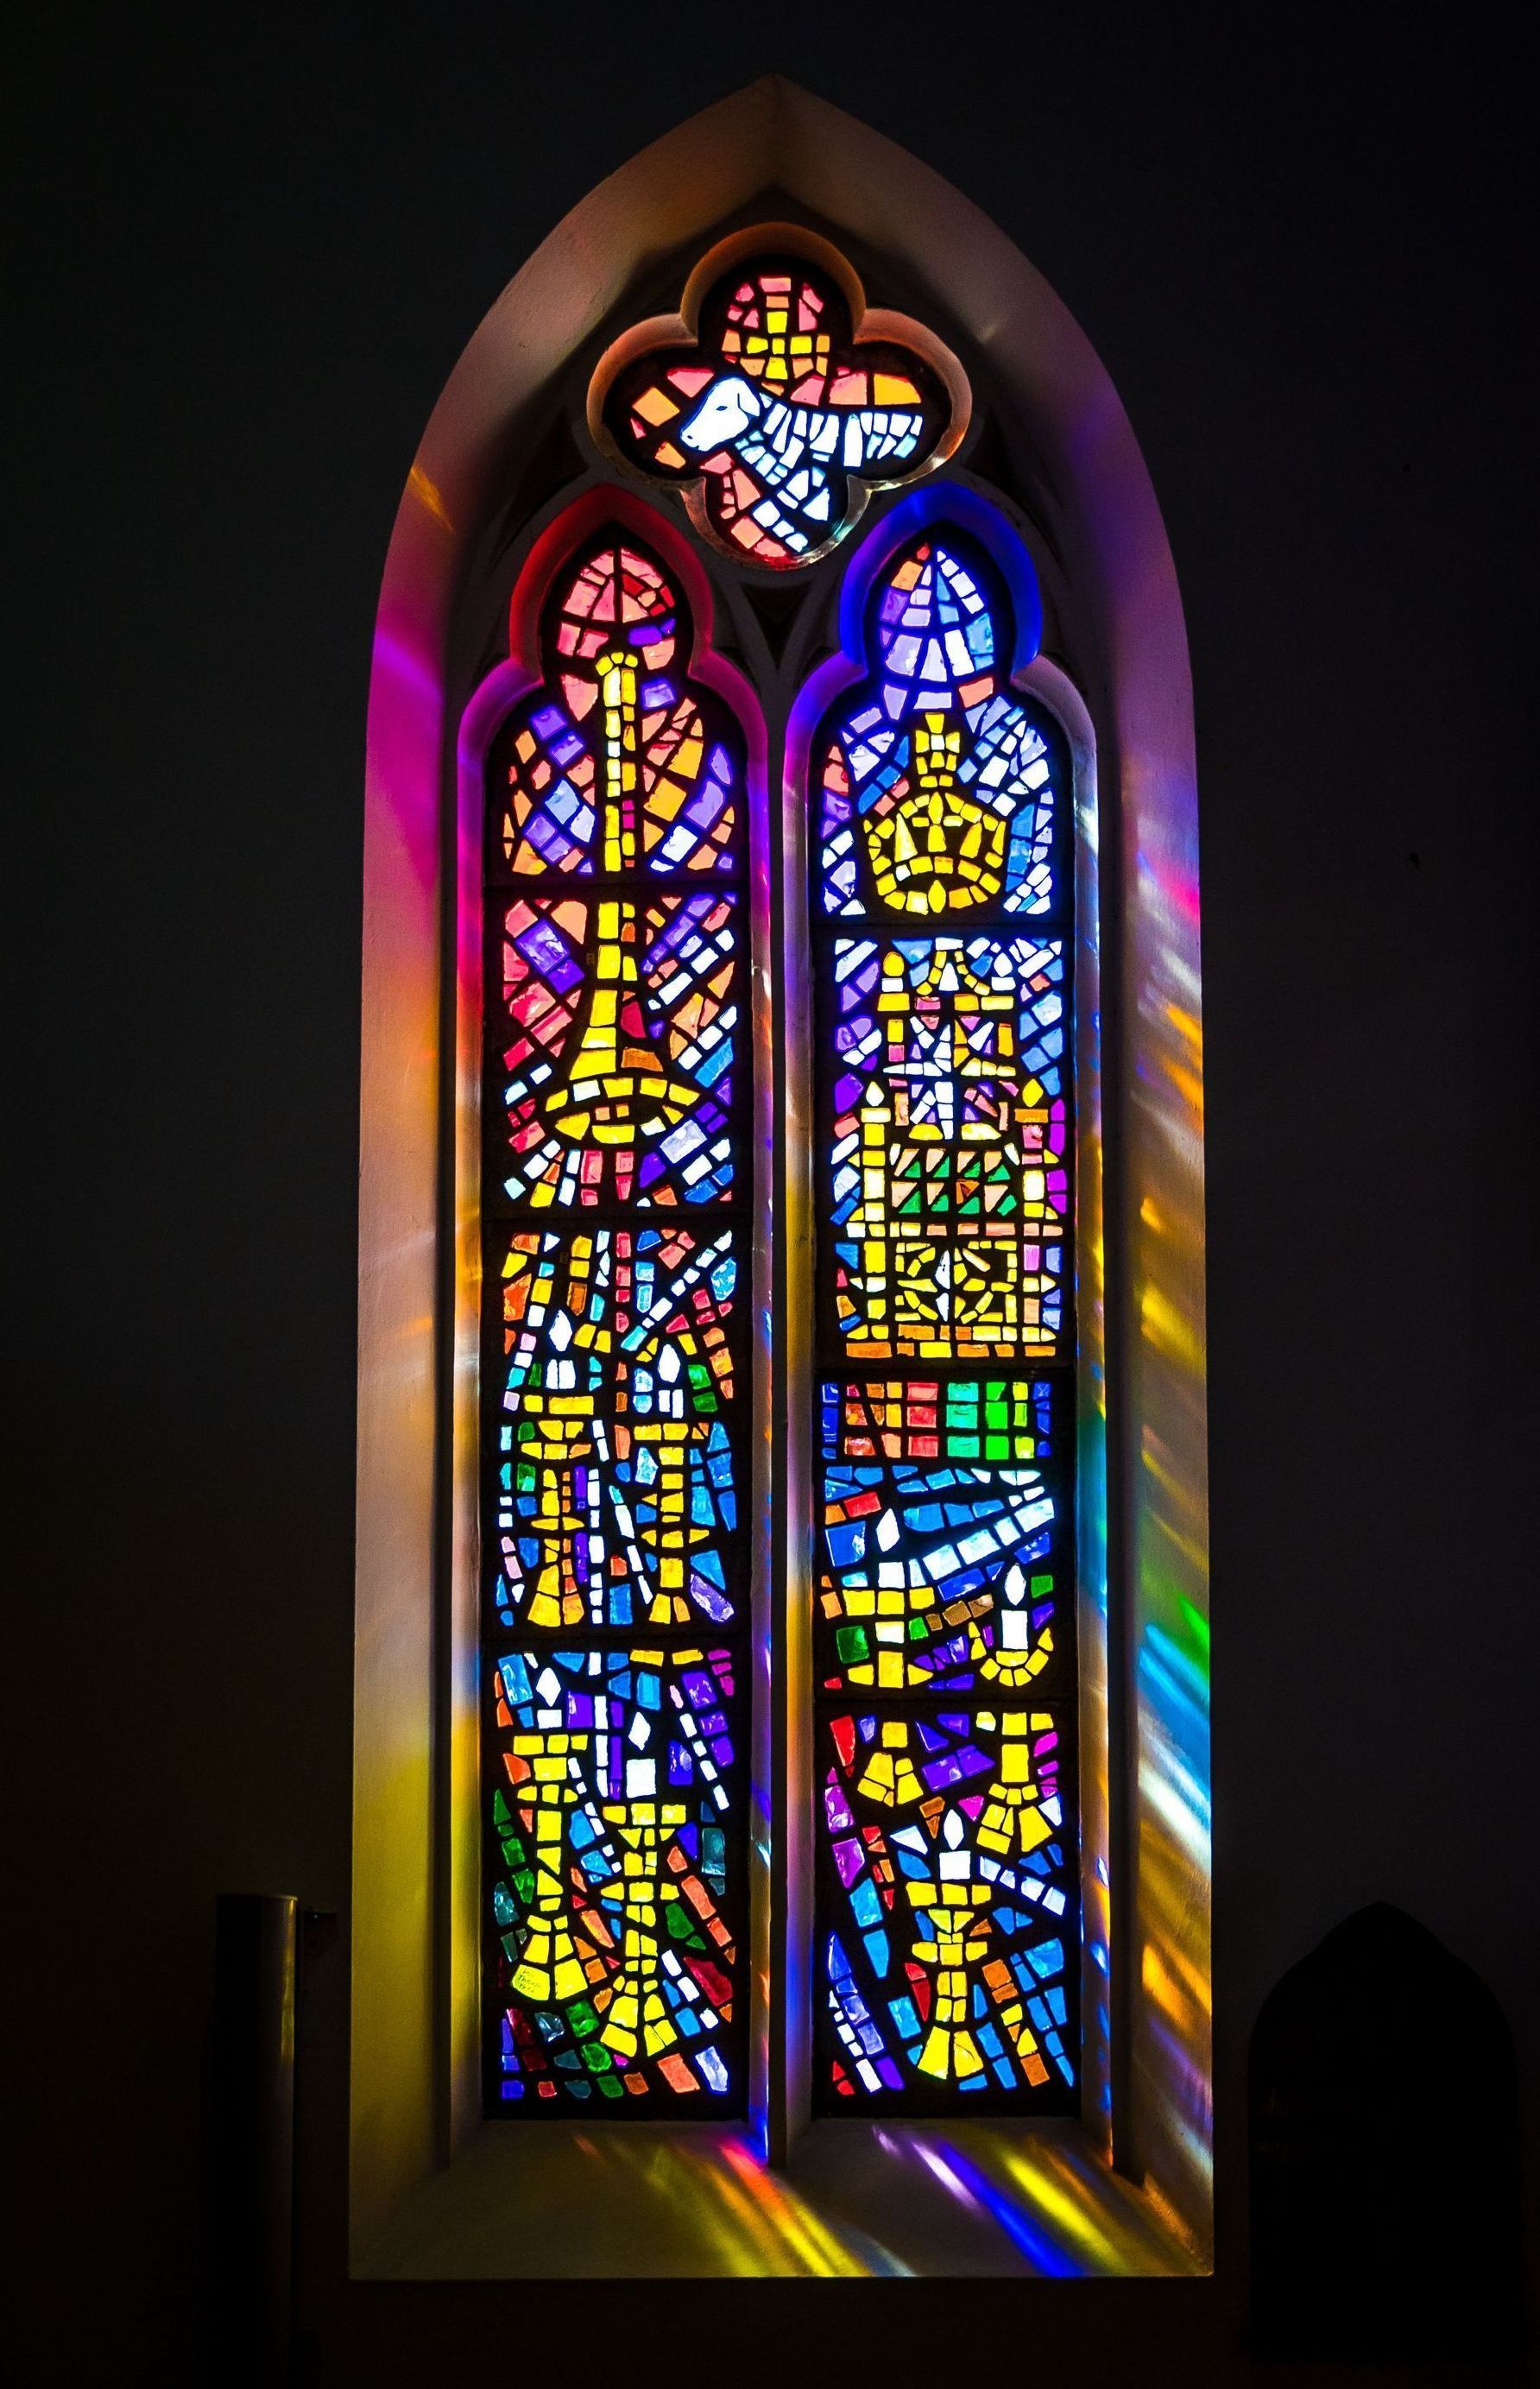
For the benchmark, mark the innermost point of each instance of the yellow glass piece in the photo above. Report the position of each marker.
(636, 2019)
(952, 1929)
(889, 1776)
(613, 1086)
(1017, 1658)
(557, 1448)
(1011, 1821)
(549, 1966)
(677, 1533)
(654, 405)
(933, 847)
(777, 359)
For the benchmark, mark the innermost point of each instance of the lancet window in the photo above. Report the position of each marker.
(626, 1633)
(945, 1341)
(614, 1362)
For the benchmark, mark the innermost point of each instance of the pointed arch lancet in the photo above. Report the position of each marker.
(1111, 591)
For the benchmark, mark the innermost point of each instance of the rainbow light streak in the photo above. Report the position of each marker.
(798, 2227)
(1091, 1621)
(395, 1775)
(853, 2201)
(965, 2180)
(1168, 1392)
(725, 2213)
(1062, 2209)
(1112, 2235)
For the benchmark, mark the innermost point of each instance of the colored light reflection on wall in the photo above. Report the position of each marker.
(708, 2202)
(1166, 1364)
(856, 2200)
(1091, 1436)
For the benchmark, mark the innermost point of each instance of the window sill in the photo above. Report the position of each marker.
(864, 2201)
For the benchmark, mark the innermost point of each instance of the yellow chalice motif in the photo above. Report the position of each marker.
(952, 1902)
(614, 1085)
(555, 1446)
(1012, 1821)
(549, 1967)
(936, 849)
(637, 2022)
(951, 1906)
(670, 1442)
(952, 1912)
(666, 1432)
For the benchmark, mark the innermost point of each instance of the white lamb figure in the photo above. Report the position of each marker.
(789, 447)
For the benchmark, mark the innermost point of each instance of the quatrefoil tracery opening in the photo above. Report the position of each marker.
(776, 402)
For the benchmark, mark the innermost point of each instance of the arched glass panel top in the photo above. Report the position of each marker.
(946, 1903)
(614, 1358)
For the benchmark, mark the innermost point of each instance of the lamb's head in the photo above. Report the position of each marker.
(725, 412)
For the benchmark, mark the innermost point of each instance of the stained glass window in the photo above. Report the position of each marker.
(614, 1362)
(775, 419)
(620, 1342)
(947, 1938)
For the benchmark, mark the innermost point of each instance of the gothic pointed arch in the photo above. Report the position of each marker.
(601, 819)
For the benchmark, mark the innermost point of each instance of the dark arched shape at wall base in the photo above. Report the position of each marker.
(1384, 2155)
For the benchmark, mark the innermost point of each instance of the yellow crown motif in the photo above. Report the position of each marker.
(933, 847)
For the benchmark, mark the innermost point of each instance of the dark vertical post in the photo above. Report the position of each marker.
(251, 2184)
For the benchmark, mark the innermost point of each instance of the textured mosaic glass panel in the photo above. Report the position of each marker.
(943, 1560)
(616, 763)
(617, 1880)
(949, 1909)
(941, 791)
(774, 412)
(618, 1449)
(946, 1951)
(949, 1183)
(613, 1362)
(619, 1048)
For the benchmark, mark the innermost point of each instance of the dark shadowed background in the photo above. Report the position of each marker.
(251, 247)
